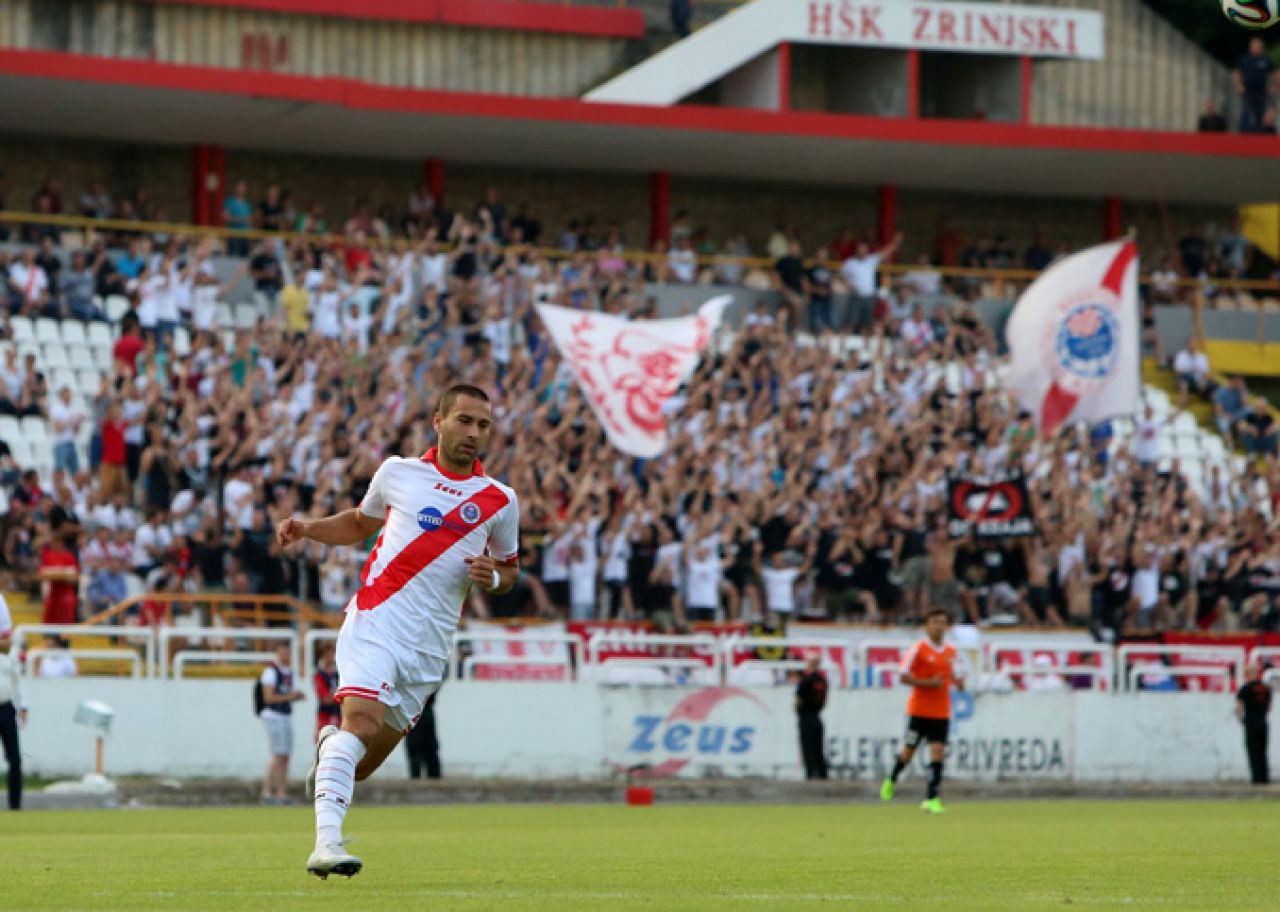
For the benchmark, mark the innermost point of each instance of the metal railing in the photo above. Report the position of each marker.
(474, 649)
(628, 656)
(1135, 672)
(35, 656)
(251, 635)
(1221, 658)
(227, 609)
(184, 657)
(92, 226)
(23, 632)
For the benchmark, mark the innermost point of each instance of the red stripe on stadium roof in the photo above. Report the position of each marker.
(362, 96)
(517, 15)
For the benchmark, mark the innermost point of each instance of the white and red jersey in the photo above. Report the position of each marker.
(415, 580)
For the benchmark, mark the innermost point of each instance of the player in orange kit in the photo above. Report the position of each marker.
(930, 669)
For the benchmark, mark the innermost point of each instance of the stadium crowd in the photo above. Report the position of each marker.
(803, 480)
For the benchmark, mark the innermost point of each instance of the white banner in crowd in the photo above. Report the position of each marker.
(629, 369)
(1074, 339)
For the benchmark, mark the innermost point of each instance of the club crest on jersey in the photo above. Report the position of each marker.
(470, 513)
(429, 519)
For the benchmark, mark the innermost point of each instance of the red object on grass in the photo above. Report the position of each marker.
(639, 795)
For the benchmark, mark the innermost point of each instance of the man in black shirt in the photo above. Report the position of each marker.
(1255, 81)
(1253, 702)
(791, 276)
(1211, 121)
(817, 285)
(811, 697)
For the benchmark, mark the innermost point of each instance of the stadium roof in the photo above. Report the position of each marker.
(147, 102)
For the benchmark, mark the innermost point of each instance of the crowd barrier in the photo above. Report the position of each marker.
(178, 727)
(727, 657)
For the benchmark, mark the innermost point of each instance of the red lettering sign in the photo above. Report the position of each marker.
(946, 28)
(820, 19)
(922, 16)
(259, 52)
(1047, 41)
(870, 23)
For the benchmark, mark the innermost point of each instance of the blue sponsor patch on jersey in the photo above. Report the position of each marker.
(429, 519)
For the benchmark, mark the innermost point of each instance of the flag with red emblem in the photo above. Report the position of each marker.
(1074, 339)
(630, 369)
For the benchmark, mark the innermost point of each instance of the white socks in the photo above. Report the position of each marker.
(335, 783)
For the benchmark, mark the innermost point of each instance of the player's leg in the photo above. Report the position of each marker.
(12, 755)
(937, 750)
(367, 671)
(377, 750)
(909, 745)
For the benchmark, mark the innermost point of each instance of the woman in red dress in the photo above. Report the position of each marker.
(60, 570)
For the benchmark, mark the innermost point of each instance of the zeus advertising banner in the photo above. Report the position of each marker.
(727, 731)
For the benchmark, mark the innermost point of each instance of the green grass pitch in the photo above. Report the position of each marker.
(981, 855)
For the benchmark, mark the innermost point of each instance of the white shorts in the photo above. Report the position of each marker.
(372, 666)
(279, 733)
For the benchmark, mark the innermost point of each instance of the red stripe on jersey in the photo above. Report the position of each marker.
(373, 555)
(423, 550)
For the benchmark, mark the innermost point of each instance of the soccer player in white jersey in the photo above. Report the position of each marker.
(446, 526)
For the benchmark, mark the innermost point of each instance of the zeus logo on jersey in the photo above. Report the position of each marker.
(448, 490)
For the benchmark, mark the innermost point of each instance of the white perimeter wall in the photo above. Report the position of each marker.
(530, 730)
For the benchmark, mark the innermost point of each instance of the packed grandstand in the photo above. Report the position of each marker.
(172, 397)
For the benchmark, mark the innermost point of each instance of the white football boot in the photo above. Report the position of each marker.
(333, 858)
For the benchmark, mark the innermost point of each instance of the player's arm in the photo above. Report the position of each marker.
(496, 575)
(350, 527)
(928, 683)
(907, 675)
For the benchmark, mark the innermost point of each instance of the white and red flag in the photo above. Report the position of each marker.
(1074, 339)
(629, 369)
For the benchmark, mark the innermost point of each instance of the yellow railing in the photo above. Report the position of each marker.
(92, 226)
(225, 609)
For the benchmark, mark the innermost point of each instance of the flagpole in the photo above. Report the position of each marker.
(1132, 237)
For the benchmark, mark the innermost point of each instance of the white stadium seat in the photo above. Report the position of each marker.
(117, 307)
(87, 380)
(73, 333)
(181, 342)
(102, 359)
(100, 334)
(246, 316)
(60, 377)
(47, 331)
(80, 356)
(222, 315)
(34, 428)
(22, 329)
(1185, 423)
(55, 356)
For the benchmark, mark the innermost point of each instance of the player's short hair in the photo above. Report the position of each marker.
(452, 393)
(940, 611)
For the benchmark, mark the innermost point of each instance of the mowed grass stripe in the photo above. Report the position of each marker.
(1017, 855)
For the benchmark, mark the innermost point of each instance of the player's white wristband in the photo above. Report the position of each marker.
(497, 581)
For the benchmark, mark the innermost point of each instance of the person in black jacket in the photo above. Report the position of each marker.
(421, 745)
(811, 697)
(1253, 702)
